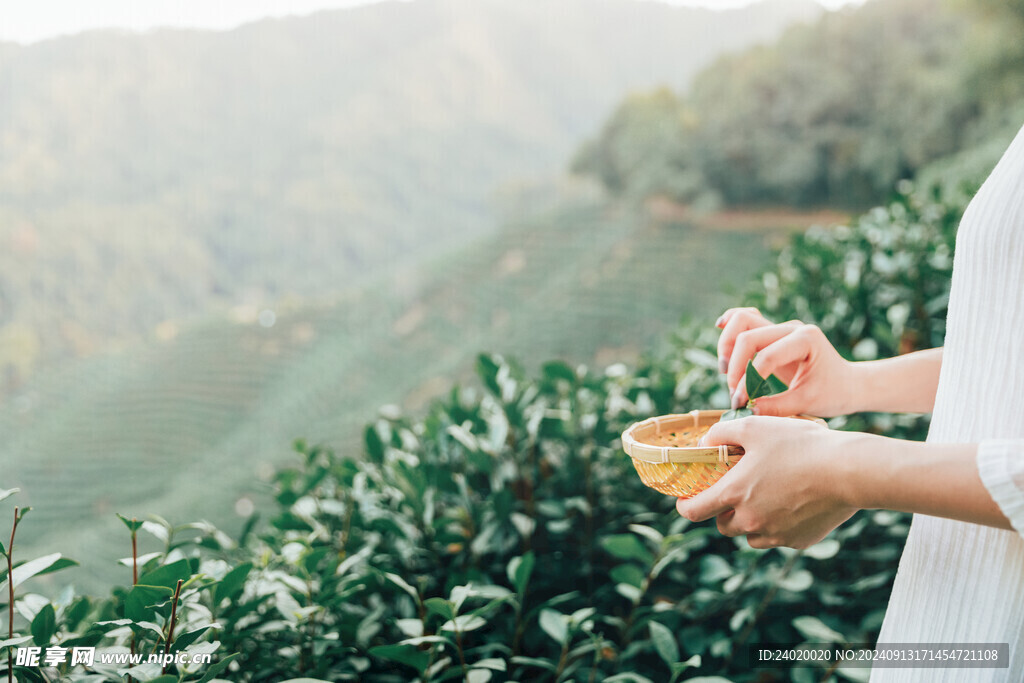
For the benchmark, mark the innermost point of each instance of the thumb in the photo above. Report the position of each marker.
(704, 505)
(709, 502)
(784, 404)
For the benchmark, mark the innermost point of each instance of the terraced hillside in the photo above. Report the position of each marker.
(184, 424)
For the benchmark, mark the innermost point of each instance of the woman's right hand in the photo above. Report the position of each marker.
(821, 382)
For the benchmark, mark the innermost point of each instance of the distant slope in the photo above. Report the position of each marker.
(182, 426)
(151, 177)
(833, 114)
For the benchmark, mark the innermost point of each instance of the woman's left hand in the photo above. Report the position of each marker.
(784, 490)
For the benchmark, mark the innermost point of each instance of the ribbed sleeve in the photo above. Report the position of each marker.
(1001, 466)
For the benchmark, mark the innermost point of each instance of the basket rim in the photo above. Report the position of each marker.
(643, 452)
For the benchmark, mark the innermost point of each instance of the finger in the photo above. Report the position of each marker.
(784, 404)
(729, 433)
(704, 505)
(739, 321)
(752, 342)
(762, 542)
(726, 523)
(728, 315)
(796, 347)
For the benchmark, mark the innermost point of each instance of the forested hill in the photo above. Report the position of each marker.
(834, 114)
(149, 177)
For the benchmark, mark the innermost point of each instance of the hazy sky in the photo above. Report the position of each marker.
(27, 21)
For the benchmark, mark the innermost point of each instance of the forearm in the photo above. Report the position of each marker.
(904, 384)
(941, 480)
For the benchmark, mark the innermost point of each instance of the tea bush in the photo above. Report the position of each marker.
(503, 535)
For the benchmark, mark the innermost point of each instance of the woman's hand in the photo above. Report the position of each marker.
(785, 490)
(821, 382)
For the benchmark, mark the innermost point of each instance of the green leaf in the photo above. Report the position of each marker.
(11, 642)
(44, 625)
(629, 591)
(814, 629)
(185, 639)
(823, 550)
(758, 386)
(735, 414)
(420, 640)
(230, 587)
(519, 571)
(41, 565)
(116, 623)
(556, 370)
(403, 584)
(167, 575)
(287, 521)
(464, 622)
(216, 668)
(374, 444)
(775, 385)
(492, 663)
(627, 547)
(647, 532)
(664, 642)
(555, 625)
(76, 612)
(403, 654)
(439, 606)
(797, 581)
(133, 524)
(628, 573)
(487, 369)
(679, 667)
(628, 676)
(142, 627)
(534, 661)
(138, 605)
(141, 672)
(62, 563)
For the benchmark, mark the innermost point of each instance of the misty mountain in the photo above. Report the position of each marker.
(146, 177)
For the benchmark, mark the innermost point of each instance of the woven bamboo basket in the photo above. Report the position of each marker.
(665, 453)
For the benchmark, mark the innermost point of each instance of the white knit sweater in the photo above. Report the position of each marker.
(962, 582)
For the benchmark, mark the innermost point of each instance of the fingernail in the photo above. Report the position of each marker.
(720, 321)
(753, 407)
(723, 366)
(736, 399)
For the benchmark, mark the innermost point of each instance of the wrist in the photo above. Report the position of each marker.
(858, 383)
(858, 460)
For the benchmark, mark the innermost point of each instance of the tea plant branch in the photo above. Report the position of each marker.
(135, 574)
(170, 627)
(765, 601)
(306, 653)
(133, 527)
(458, 647)
(10, 596)
(597, 640)
(563, 658)
(644, 586)
(588, 487)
